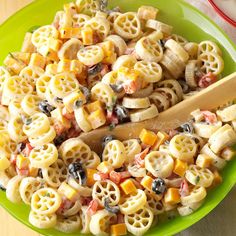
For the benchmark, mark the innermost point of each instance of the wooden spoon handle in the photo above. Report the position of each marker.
(218, 94)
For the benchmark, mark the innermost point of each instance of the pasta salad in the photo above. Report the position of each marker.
(131, 186)
(95, 67)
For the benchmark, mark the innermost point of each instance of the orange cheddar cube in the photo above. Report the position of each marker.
(161, 138)
(217, 179)
(203, 161)
(105, 167)
(27, 45)
(89, 174)
(118, 229)
(22, 56)
(128, 186)
(37, 60)
(228, 154)
(13, 65)
(109, 52)
(94, 106)
(51, 69)
(76, 66)
(148, 137)
(87, 36)
(172, 196)
(69, 192)
(180, 167)
(147, 13)
(33, 172)
(146, 182)
(68, 33)
(50, 54)
(64, 66)
(54, 44)
(97, 119)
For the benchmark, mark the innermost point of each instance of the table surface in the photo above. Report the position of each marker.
(219, 222)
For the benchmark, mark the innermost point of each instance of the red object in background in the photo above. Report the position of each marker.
(221, 13)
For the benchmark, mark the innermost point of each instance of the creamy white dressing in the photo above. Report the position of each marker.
(228, 7)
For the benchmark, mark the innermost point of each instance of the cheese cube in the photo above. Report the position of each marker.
(228, 154)
(76, 66)
(22, 56)
(118, 229)
(4, 162)
(14, 65)
(37, 60)
(70, 100)
(89, 177)
(33, 172)
(54, 44)
(147, 13)
(180, 167)
(22, 162)
(128, 186)
(172, 196)
(68, 33)
(146, 182)
(109, 52)
(48, 53)
(161, 138)
(69, 192)
(87, 36)
(94, 106)
(51, 69)
(64, 66)
(97, 119)
(203, 161)
(217, 179)
(27, 45)
(105, 167)
(148, 137)
(57, 115)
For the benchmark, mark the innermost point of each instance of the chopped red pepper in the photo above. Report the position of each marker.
(68, 115)
(209, 117)
(22, 172)
(28, 148)
(131, 86)
(93, 207)
(105, 70)
(172, 133)
(139, 158)
(100, 176)
(115, 177)
(13, 159)
(184, 188)
(207, 80)
(59, 128)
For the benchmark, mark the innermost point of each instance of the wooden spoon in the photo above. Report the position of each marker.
(217, 94)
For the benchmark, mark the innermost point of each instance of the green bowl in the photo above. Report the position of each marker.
(187, 21)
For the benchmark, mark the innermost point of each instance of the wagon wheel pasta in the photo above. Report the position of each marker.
(28, 186)
(183, 147)
(139, 222)
(55, 174)
(149, 50)
(12, 191)
(151, 71)
(114, 153)
(90, 55)
(43, 156)
(74, 150)
(42, 221)
(132, 147)
(68, 224)
(160, 164)
(100, 222)
(85, 220)
(106, 189)
(131, 203)
(211, 62)
(208, 46)
(127, 25)
(45, 201)
(41, 35)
